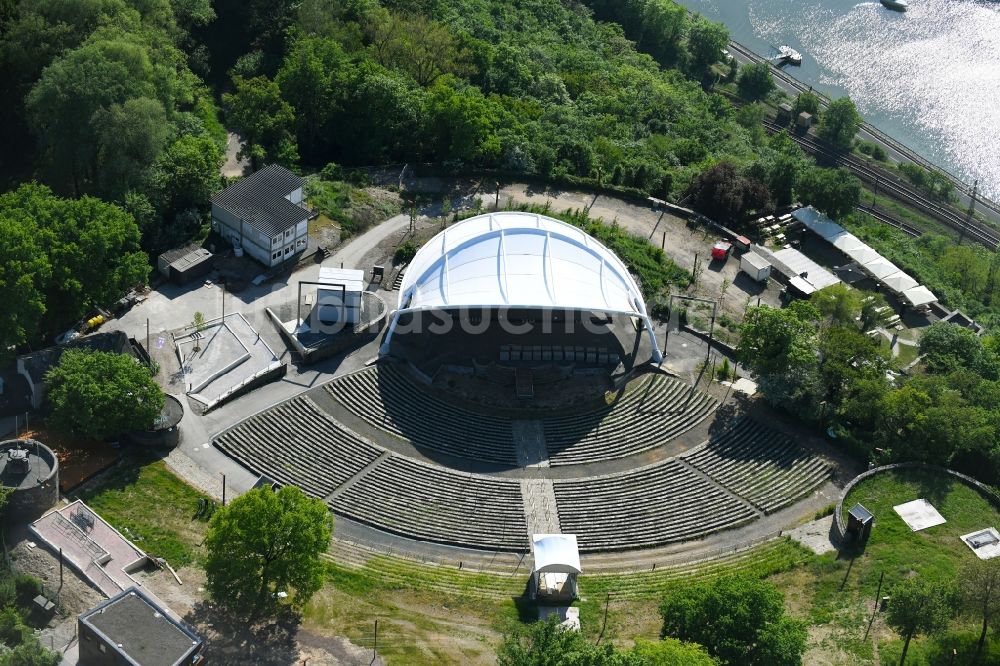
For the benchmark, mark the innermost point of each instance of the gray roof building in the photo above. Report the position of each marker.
(264, 215)
(133, 628)
(264, 200)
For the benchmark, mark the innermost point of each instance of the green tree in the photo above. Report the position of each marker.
(308, 82)
(834, 192)
(423, 48)
(102, 394)
(779, 347)
(24, 274)
(839, 303)
(263, 543)
(755, 81)
(840, 123)
(705, 43)
(947, 347)
(671, 652)
(808, 102)
(548, 644)
(918, 607)
(979, 585)
(92, 249)
(186, 174)
(739, 620)
(266, 121)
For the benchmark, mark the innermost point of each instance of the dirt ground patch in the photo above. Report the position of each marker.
(79, 459)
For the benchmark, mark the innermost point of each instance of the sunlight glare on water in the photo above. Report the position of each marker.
(930, 77)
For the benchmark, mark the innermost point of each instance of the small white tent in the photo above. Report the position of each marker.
(557, 564)
(919, 296)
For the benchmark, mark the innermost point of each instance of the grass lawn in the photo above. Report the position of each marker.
(146, 501)
(838, 592)
(907, 354)
(433, 615)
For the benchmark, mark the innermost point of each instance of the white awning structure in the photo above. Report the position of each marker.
(881, 268)
(556, 553)
(799, 265)
(862, 254)
(919, 296)
(519, 260)
(900, 282)
(847, 241)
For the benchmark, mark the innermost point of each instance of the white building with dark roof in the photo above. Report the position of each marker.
(264, 214)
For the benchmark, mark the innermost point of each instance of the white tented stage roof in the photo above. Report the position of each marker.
(515, 259)
(556, 553)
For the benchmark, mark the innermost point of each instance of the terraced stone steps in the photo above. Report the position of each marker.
(297, 443)
(430, 503)
(760, 464)
(646, 507)
(428, 423)
(656, 411)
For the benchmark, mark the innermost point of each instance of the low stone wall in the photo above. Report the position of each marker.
(840, 529)
(167, 435)
(361, 335)
(36, 499)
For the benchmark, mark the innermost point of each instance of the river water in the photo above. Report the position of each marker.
(929, 77)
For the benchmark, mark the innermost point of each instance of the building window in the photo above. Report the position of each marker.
(302, 242)
(288, 232)
(275, 255)
(288, 249)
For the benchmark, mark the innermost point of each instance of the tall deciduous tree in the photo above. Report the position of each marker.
(545, 643)
(755, 81)
(918, 607)
(738, 619)
(263, 543)
(265, 120)
(307, 82)
(92, 250)
(102, 394)
(705, 43)
(779, 347)
(24, 273)
(979, 584)
(840, 123)
(834, 192)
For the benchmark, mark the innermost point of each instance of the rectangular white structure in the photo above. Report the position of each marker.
(756, 266)
(984, 543)
(919, 514)
(341, 301)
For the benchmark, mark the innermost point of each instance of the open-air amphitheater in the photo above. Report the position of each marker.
(447, 442)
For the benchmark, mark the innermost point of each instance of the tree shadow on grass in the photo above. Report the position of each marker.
(231, 640)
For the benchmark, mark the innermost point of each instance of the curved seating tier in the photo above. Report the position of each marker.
(657, 410)
(385, 398)
(760, 464)
(297, 443)
(646, 507)
(430, 503)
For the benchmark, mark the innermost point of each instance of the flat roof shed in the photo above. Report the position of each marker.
(135, 629)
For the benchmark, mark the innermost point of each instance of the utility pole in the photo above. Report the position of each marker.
(223, 490)
(972, 209)
(223, 285)
(875, 192)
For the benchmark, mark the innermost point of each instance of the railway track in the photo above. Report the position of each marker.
(885, 218)
(872, 131)
(898, 188)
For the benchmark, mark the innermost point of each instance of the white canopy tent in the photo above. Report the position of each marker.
(862, 254)
(881, 268)
(519, 260)
(919, 296)
(847, 241)
(900, 282)
(557, 564)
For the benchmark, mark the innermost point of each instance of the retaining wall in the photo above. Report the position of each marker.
(840, 530)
